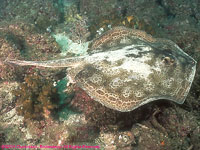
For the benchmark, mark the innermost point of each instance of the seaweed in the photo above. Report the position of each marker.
(37, 98)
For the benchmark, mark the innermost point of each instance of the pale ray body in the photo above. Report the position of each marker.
(128, 68)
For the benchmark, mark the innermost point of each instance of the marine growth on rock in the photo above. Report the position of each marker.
(36, 98)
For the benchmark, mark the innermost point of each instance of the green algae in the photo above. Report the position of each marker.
(64, 99)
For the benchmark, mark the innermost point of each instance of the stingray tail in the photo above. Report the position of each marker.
(67, 62)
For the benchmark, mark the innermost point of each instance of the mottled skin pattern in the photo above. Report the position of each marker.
(112, 37)
(128, 68)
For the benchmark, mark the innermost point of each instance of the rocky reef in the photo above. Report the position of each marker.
(32, 110)
(8, 72)
(42, 14)
(20, 40)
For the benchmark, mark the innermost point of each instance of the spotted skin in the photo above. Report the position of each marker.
(118, 33)
(127, 68)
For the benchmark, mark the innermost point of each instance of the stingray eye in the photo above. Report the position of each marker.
(168, 60)
(125, 138)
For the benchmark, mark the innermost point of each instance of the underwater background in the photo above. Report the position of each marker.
(36, 106)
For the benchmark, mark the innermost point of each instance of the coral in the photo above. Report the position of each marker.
(36, 98)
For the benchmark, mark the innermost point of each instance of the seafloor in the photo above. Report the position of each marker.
(35, 110)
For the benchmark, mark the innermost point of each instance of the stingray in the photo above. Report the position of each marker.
(127, 68)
